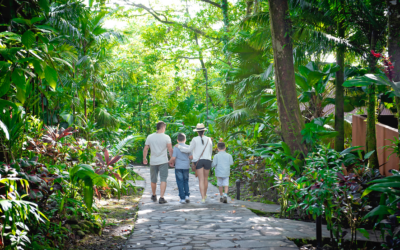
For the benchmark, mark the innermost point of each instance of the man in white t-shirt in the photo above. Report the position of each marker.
(159, 143)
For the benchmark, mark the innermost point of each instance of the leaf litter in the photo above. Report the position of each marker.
(120, 219)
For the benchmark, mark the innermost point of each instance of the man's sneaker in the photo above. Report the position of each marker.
(154, 198)
(203, 201)
(225, 199)
(183, 202)
(162, 200)
(221, 199)
(187, 199)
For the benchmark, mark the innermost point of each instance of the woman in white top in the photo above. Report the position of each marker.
(201, 146)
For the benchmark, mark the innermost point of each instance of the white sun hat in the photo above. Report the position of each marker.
(200, 127)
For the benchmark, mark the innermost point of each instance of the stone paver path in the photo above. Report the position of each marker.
(214, 225)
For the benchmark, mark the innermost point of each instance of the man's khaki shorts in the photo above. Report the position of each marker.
(163, 169)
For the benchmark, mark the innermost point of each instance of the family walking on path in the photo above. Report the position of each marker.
(199, 151)
(192, 225)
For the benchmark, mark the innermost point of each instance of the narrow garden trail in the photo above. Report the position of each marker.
(208, 226)
(214, 225)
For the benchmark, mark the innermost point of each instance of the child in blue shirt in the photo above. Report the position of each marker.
(222, 163)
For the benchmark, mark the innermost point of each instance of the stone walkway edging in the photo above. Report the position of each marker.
(268, 208)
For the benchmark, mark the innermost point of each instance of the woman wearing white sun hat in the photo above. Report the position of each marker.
(201, 146)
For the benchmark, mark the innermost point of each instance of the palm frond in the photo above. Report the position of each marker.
(235, 118)
(128, 140)
(105, 119)
(260, 19)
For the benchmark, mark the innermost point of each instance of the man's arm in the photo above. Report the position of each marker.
(170, 149)
(145, 151)
(172, 161)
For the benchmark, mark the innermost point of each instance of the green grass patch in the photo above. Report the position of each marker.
(258, 212)
(263, 213)
(267, 202)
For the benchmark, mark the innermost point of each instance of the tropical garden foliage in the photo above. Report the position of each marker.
(83, 83)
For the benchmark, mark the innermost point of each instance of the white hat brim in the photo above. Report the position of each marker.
(200, 129)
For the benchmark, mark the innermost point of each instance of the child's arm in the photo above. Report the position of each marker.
(173, 158)
(172, 162)
(191, 156)
(230, 160)
(215, 161)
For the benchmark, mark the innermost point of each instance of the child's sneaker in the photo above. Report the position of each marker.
(187, 199)
(225, 198)
(183, 202)
(221, 199)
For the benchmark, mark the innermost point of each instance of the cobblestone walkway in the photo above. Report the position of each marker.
(213, 225)
(175, 226)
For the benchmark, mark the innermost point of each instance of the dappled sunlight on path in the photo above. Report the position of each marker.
(213, 225)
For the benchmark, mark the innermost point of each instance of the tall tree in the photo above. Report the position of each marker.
(394, 43)
(288, 105)
(371, 92)
(339, 93)
(368, 19)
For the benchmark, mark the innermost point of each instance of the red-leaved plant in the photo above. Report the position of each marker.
(103, 165)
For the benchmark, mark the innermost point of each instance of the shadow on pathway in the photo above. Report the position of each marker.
(204, 226)
(214, 225)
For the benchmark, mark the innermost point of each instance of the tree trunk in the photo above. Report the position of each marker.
(94, 98)
(224, 9)
(204, 69)
(288, 106)
(33, 94)
(339, 94)
(394, 45)
(371, 130)
(257, 3)
(249, 5)
(84, 104)
(86, 81)
(47, 109)
(8, 11)
(140, 114)
(73, 95)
